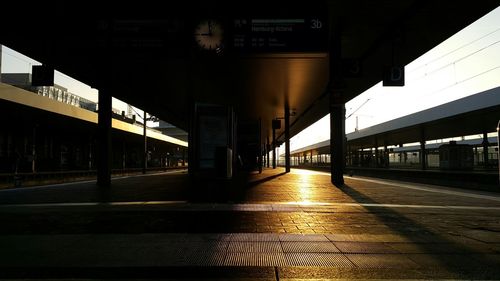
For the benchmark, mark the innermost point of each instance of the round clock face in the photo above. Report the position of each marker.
(208, 34)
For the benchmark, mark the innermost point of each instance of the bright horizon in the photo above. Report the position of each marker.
(467, 63)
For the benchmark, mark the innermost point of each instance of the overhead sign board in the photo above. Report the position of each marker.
(260, 35)
(394, 76)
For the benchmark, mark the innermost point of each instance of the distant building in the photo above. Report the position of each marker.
(56, 92)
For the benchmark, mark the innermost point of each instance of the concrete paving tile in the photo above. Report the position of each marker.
(13, 243)
(367, 237)
(302, 237)
(307, 231)
(364, 248)
(409, 248)
(488, 259)
(494, 247)
(381, 261)
(483, 235)
(445, 260)
(435, 248)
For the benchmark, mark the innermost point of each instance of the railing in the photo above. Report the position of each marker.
(10, 180)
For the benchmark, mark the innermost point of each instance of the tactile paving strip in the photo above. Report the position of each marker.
(318, 259)
(255, 259)
(209, 237)
(216, 258)
(249, 237)
(309, 247)
(198, 246)
(255, 247)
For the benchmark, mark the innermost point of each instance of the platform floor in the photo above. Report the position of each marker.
(269, 226)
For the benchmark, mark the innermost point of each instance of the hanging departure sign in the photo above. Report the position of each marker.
(280, 35)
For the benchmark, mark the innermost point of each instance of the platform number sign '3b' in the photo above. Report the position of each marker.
(316, 24)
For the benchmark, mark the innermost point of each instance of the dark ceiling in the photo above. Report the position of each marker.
(145, 54)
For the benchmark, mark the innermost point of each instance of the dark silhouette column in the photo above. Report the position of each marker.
(33, 149)
(104, 140)
(423, 156)
(274, 148)
(498, 146)
(90, 154)
(287, 137)
(183, 157)
(337, 137)
(337, 107)
(485, 150)
(0, 63)
(386, 156)
(145, 154)
(124, 152)
(268, 146)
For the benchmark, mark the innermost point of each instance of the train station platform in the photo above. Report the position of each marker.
(269, 226)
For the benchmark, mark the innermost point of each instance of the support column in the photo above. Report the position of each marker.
(287, 137)
(349, 156)
(274, 148)
(33, 149)
(400, 155)
(485, 150)
(337, 105)
(337, 137)
(90, 154)
(266, 156)
(145, 140)
(183, 157)
(423, 156)
(386, 156)
(124, 151)
(0, 62)
(104, 140)
(268, 146)
(260, 159)
(498, 149)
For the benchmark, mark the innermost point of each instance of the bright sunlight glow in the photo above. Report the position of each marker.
(465, 64)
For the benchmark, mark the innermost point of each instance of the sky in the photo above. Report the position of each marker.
(465, 64)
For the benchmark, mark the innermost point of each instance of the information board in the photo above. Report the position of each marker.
(261, 35)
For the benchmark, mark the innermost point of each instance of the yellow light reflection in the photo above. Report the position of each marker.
(305, 181)
(309, 172)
